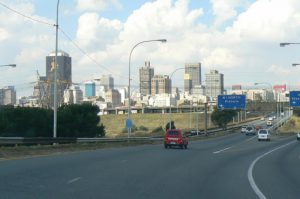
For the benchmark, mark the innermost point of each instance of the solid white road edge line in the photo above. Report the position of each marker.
(250, 170)
(73, 180)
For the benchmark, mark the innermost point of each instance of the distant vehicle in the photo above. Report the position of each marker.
(175, 137)
(262, 119)
(269, 123)
(250, 130)
(195, 132)
(270, 118)
(243, 129)
(264, 134)
(274, 116)
(298, 136)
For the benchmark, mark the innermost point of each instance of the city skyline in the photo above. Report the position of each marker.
(232, 39)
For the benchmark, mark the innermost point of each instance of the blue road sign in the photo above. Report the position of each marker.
(128, 123)
(294, 98)
(231, 101)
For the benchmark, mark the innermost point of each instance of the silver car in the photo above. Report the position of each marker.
(264, 134)
(298, 136)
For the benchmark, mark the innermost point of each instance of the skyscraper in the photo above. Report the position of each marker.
(64, 74)
(160, 84)
(107, 81)
(214, 82)
(146, 74)
(8, 95)
(192, 76)
(90, 89)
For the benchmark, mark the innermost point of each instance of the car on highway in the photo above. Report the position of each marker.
(262, 119)
(269, 123)
(298, 136)
(250, 130)
(243, 129)
(175, 137)
(263, 134)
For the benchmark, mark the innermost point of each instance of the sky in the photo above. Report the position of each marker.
(239, 38)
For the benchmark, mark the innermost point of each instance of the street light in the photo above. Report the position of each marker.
(286, 44)
(55, 77)
(11, 65)
(170, 111)
(129, 79)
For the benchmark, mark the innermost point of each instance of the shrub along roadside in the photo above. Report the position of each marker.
(73, 121)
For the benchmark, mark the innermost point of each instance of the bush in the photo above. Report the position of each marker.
(143, 128)
(72, 121)
(158, 130)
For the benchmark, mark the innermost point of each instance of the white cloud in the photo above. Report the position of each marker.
(95, 32)
(97, 5)
(224, 10)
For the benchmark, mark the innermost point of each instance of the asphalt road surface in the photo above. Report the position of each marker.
(233, 166)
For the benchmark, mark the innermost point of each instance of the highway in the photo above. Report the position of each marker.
(232, 166)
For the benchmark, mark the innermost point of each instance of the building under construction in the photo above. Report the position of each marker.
(44, 89)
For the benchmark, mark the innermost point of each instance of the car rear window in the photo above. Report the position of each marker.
(263, 132)
(173, 133)
(249, 128)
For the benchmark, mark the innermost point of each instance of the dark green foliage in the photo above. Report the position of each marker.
(296, 111)
(25, 122)
(79, 121)
(172, 125)
(222, 117)
(143, 128)
(158, 130)
(72, 121)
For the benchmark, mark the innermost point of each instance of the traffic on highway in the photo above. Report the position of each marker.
(230, 166)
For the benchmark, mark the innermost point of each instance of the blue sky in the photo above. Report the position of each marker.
(240, 38)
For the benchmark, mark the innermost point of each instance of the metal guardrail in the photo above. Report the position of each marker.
(65, 140)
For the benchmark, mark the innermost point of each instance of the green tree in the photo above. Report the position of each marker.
(172, 125)
(79, 120)
(222, 117)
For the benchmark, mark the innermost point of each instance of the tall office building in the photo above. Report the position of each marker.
(214, 83)
(146, 74)
(90, 89)
(160, 84)
(64, 75)
(8, 96)
(192, 76)
(107, 81)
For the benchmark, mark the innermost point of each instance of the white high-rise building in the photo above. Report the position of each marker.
(214, 84)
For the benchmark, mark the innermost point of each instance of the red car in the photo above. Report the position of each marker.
(175, 137)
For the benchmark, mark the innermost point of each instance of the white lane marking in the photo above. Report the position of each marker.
(216, 152)
(222, 150)
(73, 180)
(250, 170)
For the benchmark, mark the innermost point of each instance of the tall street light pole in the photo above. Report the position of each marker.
(55, 76)
(129, 122)
(170, 111)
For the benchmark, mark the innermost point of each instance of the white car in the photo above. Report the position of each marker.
(264, 134)
(298, 136)
(262, 119)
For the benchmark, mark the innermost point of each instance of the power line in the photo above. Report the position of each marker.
(25, 16)
(86, 54)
